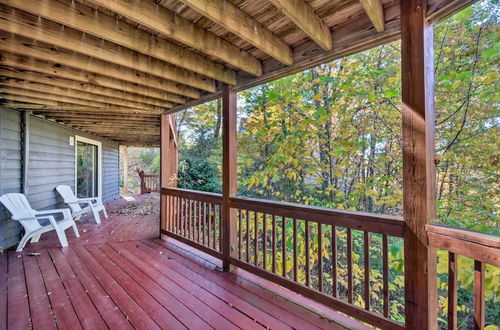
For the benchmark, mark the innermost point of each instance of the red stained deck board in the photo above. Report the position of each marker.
(270, 295)
(62, 307)
(164, 319)
(174, 304)
(224, 290)
(202, 302)
(40, 309)
(84, 308)
(132, 309)
(18, 314)
(110, 312)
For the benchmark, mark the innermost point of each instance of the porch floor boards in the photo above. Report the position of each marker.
(119, 275)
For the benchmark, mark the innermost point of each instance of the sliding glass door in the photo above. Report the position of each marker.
(87, 171)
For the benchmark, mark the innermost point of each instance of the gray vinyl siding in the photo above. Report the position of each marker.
(10, 172)
(51, 163)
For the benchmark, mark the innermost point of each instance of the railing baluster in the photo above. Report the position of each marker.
(274, 245)
(283, 239)
(256, 238)
(240, 232)
(295, 266)
(349, 266)
(306, 223)
(320, 257)
(264, 242)
(334, 261)
(214, 239)
(366, 239)
(385, 274)
(452, 291)
(220, 228)
(204, 223)
(209, 232)
(248, 235)
(199, 222)
(478, 295)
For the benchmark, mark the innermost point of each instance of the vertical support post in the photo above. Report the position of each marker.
(164, 167)
(229, 176)
(418, 163)
(25, 129)
(125, 170)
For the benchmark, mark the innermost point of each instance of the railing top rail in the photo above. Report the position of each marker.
(376, 223)
(468, 243)
(202, 196)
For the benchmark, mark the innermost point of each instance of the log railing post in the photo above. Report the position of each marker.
(229, 176)
(418, 163)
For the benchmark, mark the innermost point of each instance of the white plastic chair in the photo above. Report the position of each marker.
(94, 204)
(21, 211)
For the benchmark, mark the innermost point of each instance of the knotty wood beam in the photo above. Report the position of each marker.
(419, 174)
(37, 87)
(85, 19)
(64, 107)
(304, 17)
(154, 88)
(28, 26)
(229, 173)
(33, 97)
(224, 13)
(81, 87)
(162, 20)
(375, 11)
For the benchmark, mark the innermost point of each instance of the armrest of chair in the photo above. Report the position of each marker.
(65, 212)
(89, 199)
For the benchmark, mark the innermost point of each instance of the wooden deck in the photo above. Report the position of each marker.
(118, 275)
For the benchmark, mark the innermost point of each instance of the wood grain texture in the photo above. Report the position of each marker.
(83, 18)
(375, 11)
(224, 13)
(304, 17)
(418, 163)
(162, 20)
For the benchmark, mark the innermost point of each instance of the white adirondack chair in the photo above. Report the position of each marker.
(93, 204)
(21, 211)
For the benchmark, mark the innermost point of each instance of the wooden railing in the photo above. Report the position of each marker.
(482, 248)
(194, 218)
(281, 242)
(149, 182)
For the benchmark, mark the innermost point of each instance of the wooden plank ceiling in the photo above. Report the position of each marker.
(111, 67)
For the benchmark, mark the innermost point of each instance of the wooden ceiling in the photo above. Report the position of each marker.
(111, 67)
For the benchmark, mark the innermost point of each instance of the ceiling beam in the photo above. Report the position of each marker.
(12, 73)
(227, 15)
(304, 17)
(37, 96)
(21, 24)
(56, 70)
(77, 16)
(93, 98)
(42, 105)
(162, 20)
(375, 11)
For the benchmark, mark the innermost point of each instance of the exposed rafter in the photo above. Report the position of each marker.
(147, 88)
(42, 105)
(304, 17)
(43, 88)
(224, 13)
(54, 34)
(162, 20)
(37, 95)
(375, 12)
(88, 88)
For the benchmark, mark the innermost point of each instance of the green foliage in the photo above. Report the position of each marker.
(331, 136)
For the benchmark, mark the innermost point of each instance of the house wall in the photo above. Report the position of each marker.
(51, 163)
